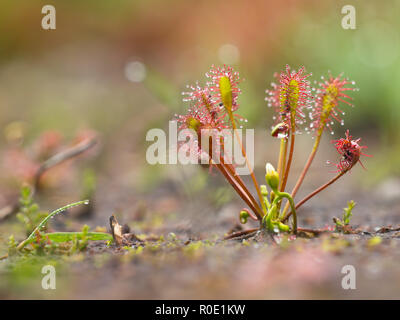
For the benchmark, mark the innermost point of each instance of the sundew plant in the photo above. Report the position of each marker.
(298, 108)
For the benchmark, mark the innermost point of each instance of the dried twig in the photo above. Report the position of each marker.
(316, 232)
(8, 210)
(121, 235)
(247, 233)
(61, 157)
(387, 229)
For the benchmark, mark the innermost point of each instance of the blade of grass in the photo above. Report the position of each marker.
(45, 220)
(69, 236)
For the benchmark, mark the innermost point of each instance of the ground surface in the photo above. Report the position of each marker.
(195, 262)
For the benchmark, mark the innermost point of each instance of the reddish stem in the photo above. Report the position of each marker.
(253, 177)
(305, 170)
(232, 172)
(238, 189)
(312, 194)
(250, 214)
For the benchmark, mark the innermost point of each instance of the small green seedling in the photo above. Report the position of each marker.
(42, 241)
(29, 213)
(347, 214)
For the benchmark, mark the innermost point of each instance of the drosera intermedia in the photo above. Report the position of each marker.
(212, 117)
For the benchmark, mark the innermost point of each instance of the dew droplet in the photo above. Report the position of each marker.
(282, 135)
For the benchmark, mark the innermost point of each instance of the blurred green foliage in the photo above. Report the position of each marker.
(73, 77)
(29, 212)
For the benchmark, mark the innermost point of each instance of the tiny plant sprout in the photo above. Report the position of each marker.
(41, 241)
(341, 224)
(244, 215)
(215, 106)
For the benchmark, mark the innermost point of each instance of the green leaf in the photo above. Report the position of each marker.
(69, 236)
(44, 221)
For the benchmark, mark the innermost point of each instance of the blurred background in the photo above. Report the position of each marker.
(115, 69)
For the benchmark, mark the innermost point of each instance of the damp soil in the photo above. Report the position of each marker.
(182, 214)
(188, 258)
